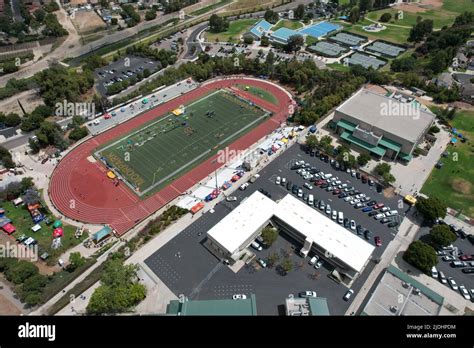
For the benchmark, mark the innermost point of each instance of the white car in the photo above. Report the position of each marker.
(464, 292)
(313, 260)
(355, 201)
(391, 213)
(334, 215)
(384, 209)
(452, 283)
(231, 199)
(262, 263)
(308, 185)
(348, 295)
(278, 180)
(308, 294)
(434, 272)
(299, 171)
(244, 186)
(347, 199)
(328, 209)
(318, 264)
(283, 181)
(379, 216)
(353, 225)
(239, 297)
(300, 193)
(442, 278)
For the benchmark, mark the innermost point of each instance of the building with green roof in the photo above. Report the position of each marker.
(381, 125)
(399, 294)
(247, 307)
(312, 306)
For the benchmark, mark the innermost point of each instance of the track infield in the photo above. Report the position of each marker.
(153, 155)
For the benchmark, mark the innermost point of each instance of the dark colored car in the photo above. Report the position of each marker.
(346, 222)
(323, 186)
(367, 234)
(371, 203)
(468, 270)
(294, 189)
(393, 224)
(296, 166)
(373, 213)
(359, 229)
(342, 195)
(364, 179)
(379, 188)
(358, 175)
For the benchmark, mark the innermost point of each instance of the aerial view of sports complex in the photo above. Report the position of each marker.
(202, 158)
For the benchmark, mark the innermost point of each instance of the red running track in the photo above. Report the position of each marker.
(81, 191)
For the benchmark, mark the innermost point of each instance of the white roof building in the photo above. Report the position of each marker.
(336, 244)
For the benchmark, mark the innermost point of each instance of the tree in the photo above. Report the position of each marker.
(248, 39)
(363, 159)
(264, 41)
(34, 283)
(271, 16)
(365, 5)
(119, 291)
(114, 21)
(295, 42)
(299, 11)
(287, 265)
(382, 168)
(434, 129)
(354, 15)
(420, 30)
(21, 271)
(269, 235)
(431, 208)
(150, 15)
(388, 178)
(403, 64)
(76, 260)
(217, 24)
(78, 133)
(312, 141)
(441, 235)
(421, 255)
(26, 183)
(12, 120)
(386, 17)
(326, 144)
(438, 61)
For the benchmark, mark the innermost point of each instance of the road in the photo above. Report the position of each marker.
(23, 138)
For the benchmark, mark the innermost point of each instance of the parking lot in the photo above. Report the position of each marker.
(123, 69)
(463, 247)
(187, 267)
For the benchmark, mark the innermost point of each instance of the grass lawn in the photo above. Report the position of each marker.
(236, 29)
(157, 153)
(440, 17)
(21, 219)
(310, 40)
(339, 67)
(454, 182)
(391, 34)
(286, 23)
(458, 6)
(261, 93)
(209, 8)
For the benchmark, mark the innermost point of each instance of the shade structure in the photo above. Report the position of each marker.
(57, 224)
(58, 232)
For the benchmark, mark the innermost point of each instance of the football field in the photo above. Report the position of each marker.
(152, 156)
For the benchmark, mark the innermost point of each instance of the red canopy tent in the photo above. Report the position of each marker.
(9, 228)
(58, 232)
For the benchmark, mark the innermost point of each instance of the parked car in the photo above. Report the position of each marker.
(367, 234)
(318, 264)
(452, 283)
(448, 258)
(239, 297)
(464, 292)
(313, 260)
(278, 180)
(466, 257)
(442, 278)
(373, 213)
(393, 224)
(231, 199)
(378, 206)
(366, 209)
(434, 272)
(308, 185)
(262, 263)
(348, 295)
(379, 216)
(378, 241)
(256, 246)
(468, 270)
(353, 225)
(308, 293)
(244, 186)
(371, 203)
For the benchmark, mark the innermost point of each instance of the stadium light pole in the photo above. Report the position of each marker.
(215, 173)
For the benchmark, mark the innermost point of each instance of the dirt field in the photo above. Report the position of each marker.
(8, 308)
(422, 6)
(87, 22)
(29, 99)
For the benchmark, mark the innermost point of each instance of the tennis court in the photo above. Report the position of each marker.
(320, 29)
(365, 60)
(348, 39)
(328, 49)
(155, 154)
(385, 49)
